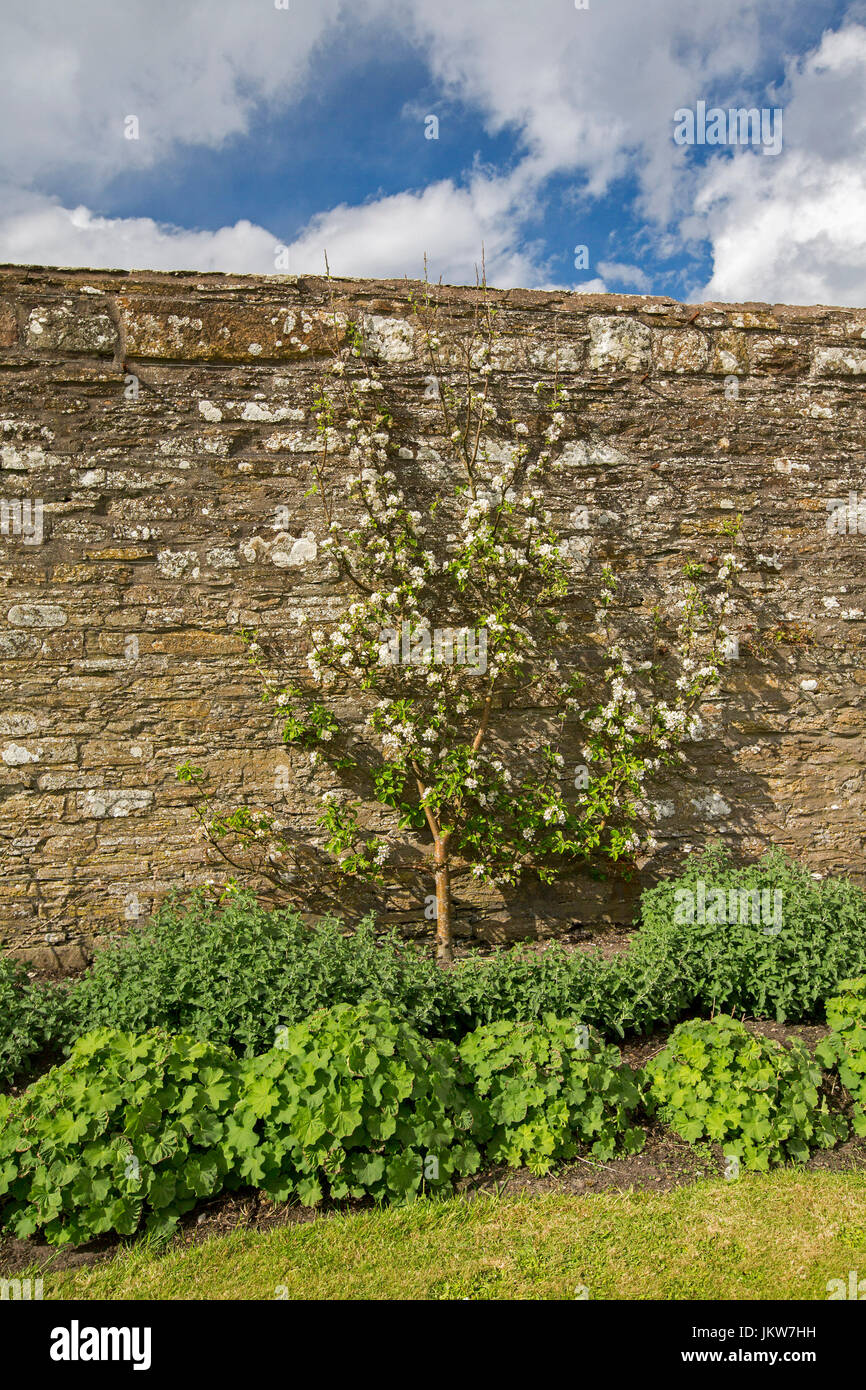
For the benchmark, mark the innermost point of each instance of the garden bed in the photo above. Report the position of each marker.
(666, 1163)
(227, 1052)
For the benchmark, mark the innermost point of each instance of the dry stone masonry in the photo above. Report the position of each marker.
(157, 441)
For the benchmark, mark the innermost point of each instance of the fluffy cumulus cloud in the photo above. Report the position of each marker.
(42, 232)
(584, 97)
(389, 236)
(630, 275)
(793, 229)
(191, 73)
(592, 92)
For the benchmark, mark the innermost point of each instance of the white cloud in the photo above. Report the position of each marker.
(42, 233)
(584, 90)
(193, 73)
(389, 237)
(594, 91)
(793, 229)
(386, 238)
(626, 274)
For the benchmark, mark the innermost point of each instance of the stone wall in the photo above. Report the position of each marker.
(165, 423)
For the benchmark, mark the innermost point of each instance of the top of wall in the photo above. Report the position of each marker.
(190, 316)
(74, 277)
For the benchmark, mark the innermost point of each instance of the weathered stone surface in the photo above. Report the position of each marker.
(8, 325)
(682, 351)
(178, 514)
(153, 328)
(64, 328)
(36, 615)
(392, 340)
(128, 802)
(623, 343)
(730, 353)
(840, 361)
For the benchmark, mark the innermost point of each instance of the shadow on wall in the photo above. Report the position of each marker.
(718, 796)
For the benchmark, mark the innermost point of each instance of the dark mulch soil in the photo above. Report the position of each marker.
(666, 1162)
(608, 939)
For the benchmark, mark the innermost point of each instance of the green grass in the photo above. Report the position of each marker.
(781, 1236)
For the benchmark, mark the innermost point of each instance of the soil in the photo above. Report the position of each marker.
(608, 938)
(665, 1163)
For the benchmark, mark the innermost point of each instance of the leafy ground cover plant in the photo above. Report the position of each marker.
(228, 969)
(716, 1080)
(233, 971)
(126, 1132)
(133, 1131)
(33, 1018)
(541, 1090)
(351, 1103)
(768, 939)
(844, 1051)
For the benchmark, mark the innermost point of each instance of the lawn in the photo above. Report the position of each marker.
(781, 1236)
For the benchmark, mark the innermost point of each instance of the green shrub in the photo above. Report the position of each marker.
(234, 972)
(33, 1019)
(350, 1103)
(768, 968)
(132, 1131)
(129, 1129)
(844, 1051)
(540, 1090)
(522, 984)
(716, 1080)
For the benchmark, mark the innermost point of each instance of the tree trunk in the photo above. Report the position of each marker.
(444, 929)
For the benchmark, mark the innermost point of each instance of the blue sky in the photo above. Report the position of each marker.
(305, 128)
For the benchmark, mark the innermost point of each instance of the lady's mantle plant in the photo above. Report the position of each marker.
(541, 1089)
(844, 1050)
(350, 1103)
(716, 1080)
(463, 639)
(127, 1132)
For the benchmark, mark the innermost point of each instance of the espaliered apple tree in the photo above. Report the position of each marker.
(460, 638)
